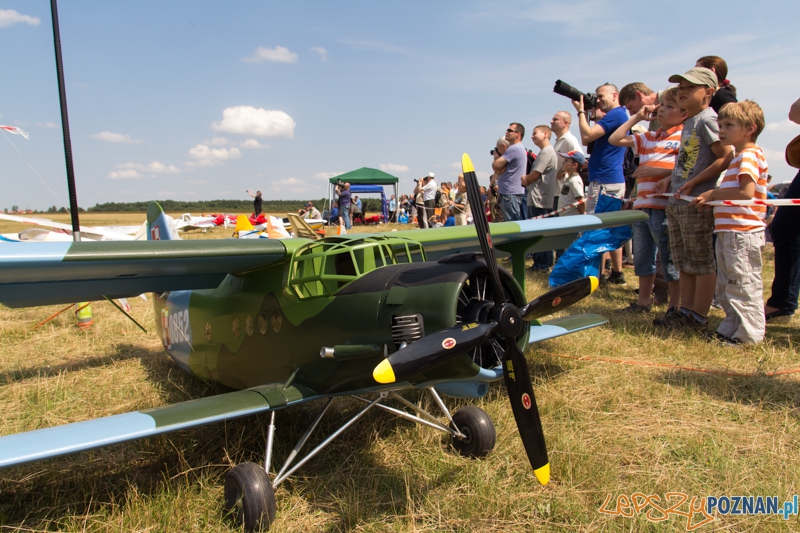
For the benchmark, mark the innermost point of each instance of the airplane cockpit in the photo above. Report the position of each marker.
(321, 268)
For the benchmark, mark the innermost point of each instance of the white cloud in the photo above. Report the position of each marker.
(279, 54)
(325, 175)
(323, 54)
(247, 120)
(291, 182)
(219, 141)
(206, 156)
(9, 17)
(391, 167)
(253, 144)
(124, 174)
(115, 137)
(139, 170)
(782, 126)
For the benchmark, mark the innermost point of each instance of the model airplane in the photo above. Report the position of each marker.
(283, 322)
(63, 232)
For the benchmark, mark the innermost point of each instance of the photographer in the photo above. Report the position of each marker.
(605, 165)
(343, 191)
(426, 186)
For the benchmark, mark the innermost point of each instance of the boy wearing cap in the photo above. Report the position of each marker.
(572, 190)
(740, 229)
(700, 161)
(657, 151)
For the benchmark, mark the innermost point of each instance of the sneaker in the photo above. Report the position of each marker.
(617, 278)
(721, 339)
(781, 316)
(695, 321)
(715, 304)
(634, 308)
(673, 318)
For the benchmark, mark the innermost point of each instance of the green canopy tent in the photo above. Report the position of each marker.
(364, 176)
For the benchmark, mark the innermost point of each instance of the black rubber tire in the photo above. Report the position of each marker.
(478, 427)
(249, 498)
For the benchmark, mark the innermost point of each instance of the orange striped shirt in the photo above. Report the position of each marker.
(657, 149)
(744, 219)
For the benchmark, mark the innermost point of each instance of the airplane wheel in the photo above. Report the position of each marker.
(478, 427)
(249, 498)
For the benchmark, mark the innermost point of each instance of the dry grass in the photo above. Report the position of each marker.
(616, 424)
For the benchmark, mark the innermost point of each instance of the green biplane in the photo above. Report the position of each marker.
(283, 322)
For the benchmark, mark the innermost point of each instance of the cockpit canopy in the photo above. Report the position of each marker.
(319, 269)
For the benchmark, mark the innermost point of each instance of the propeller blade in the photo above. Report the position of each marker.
(523, 405)
(559, 298)
(431, 350)
(481, 225)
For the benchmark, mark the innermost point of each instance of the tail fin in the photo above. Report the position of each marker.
(160, 227)
(243, 227)
(275, 229)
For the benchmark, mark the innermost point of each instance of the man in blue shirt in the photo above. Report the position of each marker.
(605, 163)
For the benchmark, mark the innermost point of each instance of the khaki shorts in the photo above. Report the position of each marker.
(595, 188)
(691, 241)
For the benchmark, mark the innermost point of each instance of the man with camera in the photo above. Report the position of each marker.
(509, 169)
(343, 191)
(427, 187)
(605, 164)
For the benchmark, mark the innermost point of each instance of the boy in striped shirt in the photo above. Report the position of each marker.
(740, 229)
(657, 151)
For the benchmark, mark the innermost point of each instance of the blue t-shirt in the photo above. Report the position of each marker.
(605, 163)
(344, 198)
(510, 181)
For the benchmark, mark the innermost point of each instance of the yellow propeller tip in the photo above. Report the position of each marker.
(543, 474)
(466, 164)
(384, 373)
(595, 282)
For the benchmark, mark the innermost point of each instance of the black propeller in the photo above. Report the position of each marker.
(504, 319)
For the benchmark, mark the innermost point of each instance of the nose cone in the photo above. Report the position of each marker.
(384, 373)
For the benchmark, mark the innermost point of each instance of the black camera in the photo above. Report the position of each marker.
(565, 89)
(492, 151)
(416, 180)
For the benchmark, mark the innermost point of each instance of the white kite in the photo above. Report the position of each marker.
(16, 130)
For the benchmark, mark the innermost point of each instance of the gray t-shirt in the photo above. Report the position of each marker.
(695, 155)
(510, 181)
(541, 192)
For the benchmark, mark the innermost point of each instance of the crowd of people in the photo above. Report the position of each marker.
(700, 147)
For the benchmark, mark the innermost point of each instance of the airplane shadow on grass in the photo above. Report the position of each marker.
(54, 492)
(121, 352)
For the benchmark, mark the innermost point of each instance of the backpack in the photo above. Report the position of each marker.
(439, 199)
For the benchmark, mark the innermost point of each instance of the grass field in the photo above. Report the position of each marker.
(626, 409)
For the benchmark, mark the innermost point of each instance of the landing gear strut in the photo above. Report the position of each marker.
(250, 495)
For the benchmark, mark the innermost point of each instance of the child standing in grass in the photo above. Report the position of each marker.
(740, 229)
(701, 159)
(657, 151)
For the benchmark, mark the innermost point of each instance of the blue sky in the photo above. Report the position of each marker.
(200, 100)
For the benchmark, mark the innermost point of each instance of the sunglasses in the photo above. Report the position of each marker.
(509, 130)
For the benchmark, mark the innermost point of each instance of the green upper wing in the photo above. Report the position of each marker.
(55, 273)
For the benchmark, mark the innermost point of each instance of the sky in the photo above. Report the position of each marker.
(201, 100)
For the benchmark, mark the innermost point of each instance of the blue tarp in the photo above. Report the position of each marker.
(583, 257)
